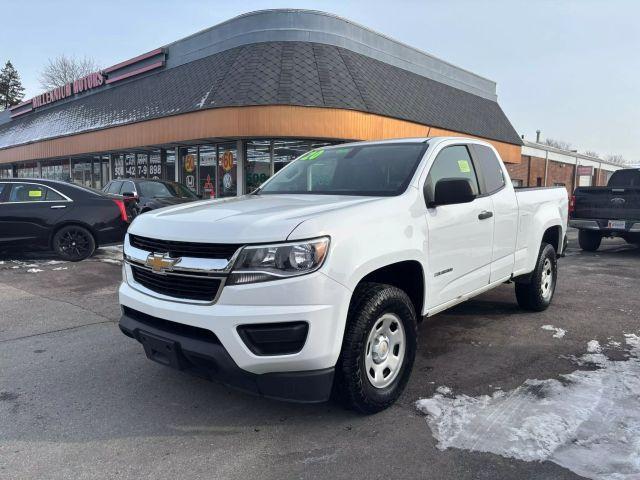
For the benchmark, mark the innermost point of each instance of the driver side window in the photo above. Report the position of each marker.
(452, 162)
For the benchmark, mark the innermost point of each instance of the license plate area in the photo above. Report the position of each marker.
(617, 224)
(161, 350)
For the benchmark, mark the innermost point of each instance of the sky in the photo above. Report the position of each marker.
(570, 68)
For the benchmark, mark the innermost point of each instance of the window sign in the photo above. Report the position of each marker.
(155, 166)
(130, 165)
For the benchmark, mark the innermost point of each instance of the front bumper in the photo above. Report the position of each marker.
(190, 350)
(315, 299)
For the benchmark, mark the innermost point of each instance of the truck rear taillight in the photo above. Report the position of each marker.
(122, 208)
(572, 204)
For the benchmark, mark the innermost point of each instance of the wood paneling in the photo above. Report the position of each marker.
(237, 122)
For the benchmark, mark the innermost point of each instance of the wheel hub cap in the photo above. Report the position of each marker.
(385, 349)
(547, 280)
(380, 349)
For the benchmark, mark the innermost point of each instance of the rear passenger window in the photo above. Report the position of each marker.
(26, 192)
(490, 169)
(2, 187)
(452, 162)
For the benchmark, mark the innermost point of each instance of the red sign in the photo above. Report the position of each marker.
(584, 170)
(92, 80)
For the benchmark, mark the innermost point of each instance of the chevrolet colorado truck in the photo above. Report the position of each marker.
(611, 211)
(315, 282)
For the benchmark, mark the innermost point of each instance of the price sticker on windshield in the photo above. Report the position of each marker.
(464, 166)
(35, 193)
(312, 155)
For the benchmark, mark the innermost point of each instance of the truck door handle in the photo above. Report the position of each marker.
(484, 215)
(58, 206)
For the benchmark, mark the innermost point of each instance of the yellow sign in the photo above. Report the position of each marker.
(189, 163)
(35, 193)
(227, 161)
(464, 166)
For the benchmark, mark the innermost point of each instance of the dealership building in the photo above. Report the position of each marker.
(223, 109)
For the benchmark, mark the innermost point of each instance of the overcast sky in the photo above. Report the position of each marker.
(570, 68)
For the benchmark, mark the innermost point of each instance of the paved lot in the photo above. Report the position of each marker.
(79, 400)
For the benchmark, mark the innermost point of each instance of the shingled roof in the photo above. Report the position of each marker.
(270, 73)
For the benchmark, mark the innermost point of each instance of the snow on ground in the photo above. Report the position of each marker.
(111, 254)
(587, 421)
(559, 332)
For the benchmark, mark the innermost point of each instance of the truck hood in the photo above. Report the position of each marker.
(247, 219)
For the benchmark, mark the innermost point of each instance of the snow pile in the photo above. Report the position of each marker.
(588, 421)
(35, 270)
(559, 332)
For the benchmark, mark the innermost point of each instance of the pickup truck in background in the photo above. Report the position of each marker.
(316, 281)
(611, 211)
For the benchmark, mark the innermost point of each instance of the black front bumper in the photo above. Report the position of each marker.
(199, 351)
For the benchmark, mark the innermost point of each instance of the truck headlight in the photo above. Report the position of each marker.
(262, 263)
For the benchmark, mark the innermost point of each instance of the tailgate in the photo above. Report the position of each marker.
(607, 203)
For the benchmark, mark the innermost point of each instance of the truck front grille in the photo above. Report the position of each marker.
(187, 287)
(185, 249)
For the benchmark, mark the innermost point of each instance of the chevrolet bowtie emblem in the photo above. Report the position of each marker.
(160, 262)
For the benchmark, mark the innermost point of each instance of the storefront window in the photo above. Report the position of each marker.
(189, 168)
(227, 169)
(97, 174)
(170, 165)
(207, 171)
(130, 165)
(258, 166)
(5, 171)
(82, 172)
(155, 165)
(142, 160)
(118, 166)
(285, 151)
(27, 170)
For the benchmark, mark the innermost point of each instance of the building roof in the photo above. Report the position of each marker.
(278, 72)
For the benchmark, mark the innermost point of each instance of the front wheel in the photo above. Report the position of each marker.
(74, 243)
(536, 294)
(589, 240)
(378, 349)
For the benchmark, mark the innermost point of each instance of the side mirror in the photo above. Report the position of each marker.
(450, 191)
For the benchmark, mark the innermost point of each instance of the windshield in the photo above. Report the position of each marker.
(164, 190)
(371, 170)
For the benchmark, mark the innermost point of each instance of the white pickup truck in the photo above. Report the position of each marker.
(316, 281)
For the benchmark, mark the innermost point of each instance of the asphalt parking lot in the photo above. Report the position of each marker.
(80, 400)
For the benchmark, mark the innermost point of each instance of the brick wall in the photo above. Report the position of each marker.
(531, 171)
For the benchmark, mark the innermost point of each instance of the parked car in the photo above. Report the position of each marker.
(66, 218)
(611, 211)
(317, 279)
(151, 194)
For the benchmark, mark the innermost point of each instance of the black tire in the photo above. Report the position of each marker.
(589, 240)
(74, 243)
(533, 295)
(352, 385)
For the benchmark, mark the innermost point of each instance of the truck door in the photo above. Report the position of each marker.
(492, 176)
(460, 236)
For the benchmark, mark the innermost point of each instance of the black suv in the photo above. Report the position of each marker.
(150, 194)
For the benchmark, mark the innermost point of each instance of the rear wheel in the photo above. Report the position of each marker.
(74, 243)
(378, 349)
(536, 295)
(589, 240)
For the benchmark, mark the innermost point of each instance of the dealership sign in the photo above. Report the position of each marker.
(128, 69)
(83, 84)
